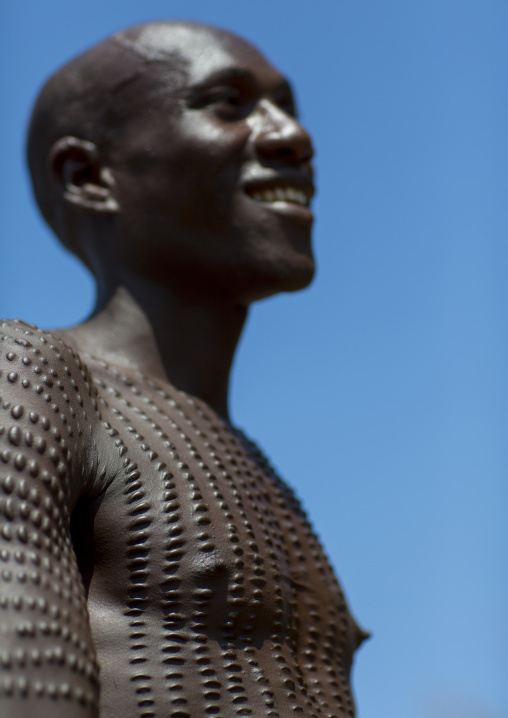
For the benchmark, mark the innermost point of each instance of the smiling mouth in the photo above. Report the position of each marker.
(286, 193)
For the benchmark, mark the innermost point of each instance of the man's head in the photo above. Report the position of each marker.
(171, 151)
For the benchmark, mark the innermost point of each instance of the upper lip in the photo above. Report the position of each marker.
(297, 180)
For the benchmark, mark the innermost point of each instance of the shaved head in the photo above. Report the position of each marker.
(156, 153)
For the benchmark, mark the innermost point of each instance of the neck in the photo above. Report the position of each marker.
(148, 328)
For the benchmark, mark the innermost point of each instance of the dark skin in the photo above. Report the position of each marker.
(234, 120)
(153, 563)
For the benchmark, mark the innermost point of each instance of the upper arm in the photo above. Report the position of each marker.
(46, 650)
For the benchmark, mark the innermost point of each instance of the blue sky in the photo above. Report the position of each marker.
(381, 392)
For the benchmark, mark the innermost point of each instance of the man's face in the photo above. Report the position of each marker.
(214, 178)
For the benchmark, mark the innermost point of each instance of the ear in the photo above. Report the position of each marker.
(76, 166)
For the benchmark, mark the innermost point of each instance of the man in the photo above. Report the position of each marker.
(152, 562)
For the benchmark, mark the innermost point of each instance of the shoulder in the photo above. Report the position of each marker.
(41, 360)
(46, 391)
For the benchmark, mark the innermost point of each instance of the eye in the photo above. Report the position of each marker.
(229, 101)
(223, 95)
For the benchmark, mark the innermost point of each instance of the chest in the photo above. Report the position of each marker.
(195, 522)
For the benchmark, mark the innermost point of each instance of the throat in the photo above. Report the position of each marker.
(192, 347)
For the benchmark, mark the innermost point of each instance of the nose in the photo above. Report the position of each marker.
(281, 137)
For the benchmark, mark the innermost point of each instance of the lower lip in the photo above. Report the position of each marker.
(295, 212)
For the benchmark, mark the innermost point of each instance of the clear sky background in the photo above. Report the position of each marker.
(381, 392)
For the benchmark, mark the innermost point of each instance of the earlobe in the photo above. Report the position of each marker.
(83, 180)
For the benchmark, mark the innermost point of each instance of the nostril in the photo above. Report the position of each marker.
(284, 152)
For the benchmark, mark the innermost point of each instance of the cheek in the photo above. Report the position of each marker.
(184, 177)
(216, 148)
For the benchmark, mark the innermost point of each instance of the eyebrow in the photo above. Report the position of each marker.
(230, 74)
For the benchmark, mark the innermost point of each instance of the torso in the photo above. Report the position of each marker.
(207, 591)
(210, 595)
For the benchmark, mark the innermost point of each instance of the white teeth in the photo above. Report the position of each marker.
(281, 194)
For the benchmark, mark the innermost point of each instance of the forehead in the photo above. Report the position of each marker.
(203, 51)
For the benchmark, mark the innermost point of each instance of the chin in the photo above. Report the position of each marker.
(287, 279)
(300, 274)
